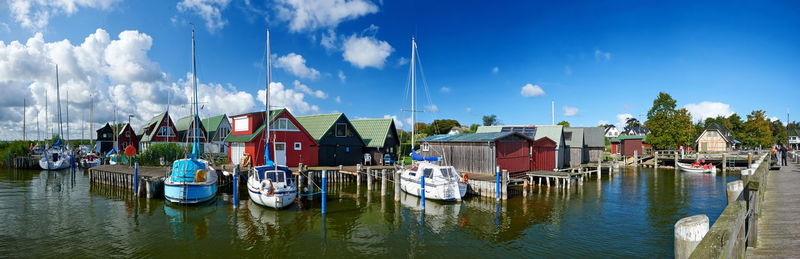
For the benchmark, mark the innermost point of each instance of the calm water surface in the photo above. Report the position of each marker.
(58, 214)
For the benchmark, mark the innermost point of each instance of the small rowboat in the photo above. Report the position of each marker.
(697, 168)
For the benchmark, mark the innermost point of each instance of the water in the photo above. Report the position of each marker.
(58, 214)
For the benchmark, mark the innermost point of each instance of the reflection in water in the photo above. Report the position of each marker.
(628, 214)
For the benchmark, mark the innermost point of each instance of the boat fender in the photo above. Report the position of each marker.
(200, 176)
(464, 178)
(267, 184)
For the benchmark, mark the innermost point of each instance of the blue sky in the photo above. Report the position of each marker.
(599, 62)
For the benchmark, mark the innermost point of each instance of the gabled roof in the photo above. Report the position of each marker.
(723, 131)
(155, 120)
(471, 137)
(373, 131)
(184, 123)
(793, 132)
(212, 124)
(626, 137)
(577, 137)
(553, 132)
(318, 125)
(594, 136)
(273, 114)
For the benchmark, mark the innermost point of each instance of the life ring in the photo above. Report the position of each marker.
(267, 184)
(464, 178)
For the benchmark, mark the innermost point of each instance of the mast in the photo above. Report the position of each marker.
(46, 116)
(413, 86)
(91, 119)
(195, 143)
(58, 105)
(24, 119)
(266, 102)
(67, 106)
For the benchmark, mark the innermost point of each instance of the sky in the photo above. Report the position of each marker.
(598, 61)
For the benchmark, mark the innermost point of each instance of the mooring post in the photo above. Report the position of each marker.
(383, 182)
(236, 186)
(497, 183)
(689, 231)
(422, 189)
(324, 189)
(396, 185)
(635, 158)
(136, 179)
(675, 162)
(504, 186)
(655, 159)
(733, 190)
(369, 179)
(310, 184)
(749, 159)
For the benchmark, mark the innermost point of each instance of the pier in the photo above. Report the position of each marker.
(779, 223)
(151, 179)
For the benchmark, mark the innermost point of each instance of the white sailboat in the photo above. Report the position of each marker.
(90, 159)
(442, 182)
(56, 157)
(270, 184)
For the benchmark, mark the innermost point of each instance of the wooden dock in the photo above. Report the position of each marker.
(779, 222)
(151, 179)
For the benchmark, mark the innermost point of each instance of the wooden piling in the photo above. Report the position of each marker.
(689, 231)
(504, 185)
(396, 186)
(733, 190)
(369, 179)
(383, 182)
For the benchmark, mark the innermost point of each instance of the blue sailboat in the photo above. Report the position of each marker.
(191, 180)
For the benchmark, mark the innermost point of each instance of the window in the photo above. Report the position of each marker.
(280, 147)
(298, 146)
(283, 124)
(567, 136)
(127, 134)
(241, 124)
(165, 131)
(341, 129)
(426, 147)
(428, 172)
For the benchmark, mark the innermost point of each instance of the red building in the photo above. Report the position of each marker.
(127, 137)
(158, 129)
(481, 153)
(544, 154)
(629, 144)
(290, 145)
(615, 145)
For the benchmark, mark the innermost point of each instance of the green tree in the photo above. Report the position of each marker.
(632, 123)
(420, 127)
(474, 128)
(756, 130)
(669, 128)
(563, 123)
(779, 134)
(441, 126)
(490, 120)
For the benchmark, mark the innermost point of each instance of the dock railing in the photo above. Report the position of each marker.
(736, 228)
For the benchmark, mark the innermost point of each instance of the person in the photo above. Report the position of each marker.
(784, 155)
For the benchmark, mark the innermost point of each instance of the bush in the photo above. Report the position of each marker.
(405, 148)
(153, 155)
(11, 149)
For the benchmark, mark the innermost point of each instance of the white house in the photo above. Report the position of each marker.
(611, 131)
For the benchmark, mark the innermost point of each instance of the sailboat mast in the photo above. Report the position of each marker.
(91, 119)
(24, 119)
(67, 108)
(413, 86)
(266, 102)
(58, 105)
(195, 144)
(46, 115)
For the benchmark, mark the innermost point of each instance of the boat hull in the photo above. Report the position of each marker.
(440, 192)
(189, 193)
(277, 200)
(61, 163)
(89, 164)
(690, 169)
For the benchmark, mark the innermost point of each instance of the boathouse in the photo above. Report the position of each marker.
(380, 137)
(629, 144)
(715, 138)
(544, 153)
(159, 129)
(573, 137)
(217, 128)
(615, 148)
(594, 143)
(290, 145)
(339, 143)
(481, 152)
(552, 132)
(125, 136)
(186, 131)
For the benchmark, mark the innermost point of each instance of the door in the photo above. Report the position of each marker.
(280, 153)
(237, 151)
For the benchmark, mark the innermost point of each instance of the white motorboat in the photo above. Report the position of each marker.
(55, 159)
(90, 160)
(697, 168)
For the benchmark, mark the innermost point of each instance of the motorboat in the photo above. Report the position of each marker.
(697, 167)
(271, 186)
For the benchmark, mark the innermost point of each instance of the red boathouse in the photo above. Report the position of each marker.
(290, 144)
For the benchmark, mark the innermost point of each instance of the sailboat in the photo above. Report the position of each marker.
(442, 182)
(56, 157)
(270, 184)
(90, 159)
(191, 180)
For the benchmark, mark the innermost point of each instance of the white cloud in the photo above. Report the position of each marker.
(773, 118)
(209, 10)
(366, 51)
(468, 110)
(397, 122)
(622, 119)
(290, 99)
(341, 76)
(338, 99)
(531, 90)
(296, 65)
(36, 14)
(311, 15)
(305, 89)
(402, 61)
(432, 108)
(701, 111)
(329, 40)
(495, 70)
(570, 111)
(602, 122)
(445, 89)
(600, 55)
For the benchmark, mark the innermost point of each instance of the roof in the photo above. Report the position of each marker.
(553, 132)
(577, 137)
(318, 125)
(594, 137)
(723, 131)
(626, 137)
(793, 132)
(249, 137)
(373, 131)
(471, 137)
(154, 120)
(636, 130)
(183, 124)
(212, 123)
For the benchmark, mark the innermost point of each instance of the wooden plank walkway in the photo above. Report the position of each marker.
(779, 222)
